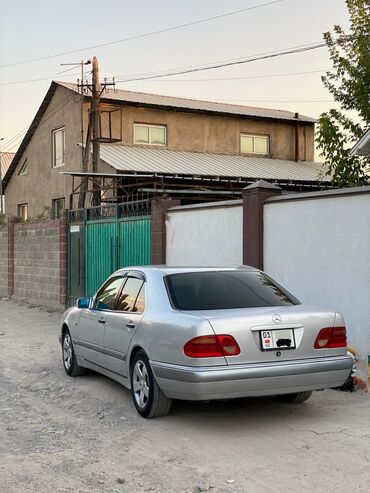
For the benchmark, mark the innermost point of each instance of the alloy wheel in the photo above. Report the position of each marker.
(67, 351)
(140, 382)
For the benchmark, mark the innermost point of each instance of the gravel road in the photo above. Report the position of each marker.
(59, 434)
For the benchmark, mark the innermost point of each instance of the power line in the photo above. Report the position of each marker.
(145, 35)
(33, 80)
(227, 64)
(16, 136)
(260, 54)
(57, 108)
(137, 76)
(266, 76)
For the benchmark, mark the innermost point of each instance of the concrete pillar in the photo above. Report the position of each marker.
(63, 257)
(11, 258)
(254, 197)
(158, 242)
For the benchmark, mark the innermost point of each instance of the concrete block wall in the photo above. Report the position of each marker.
(3, 261)
(37, 263)
(33, 261)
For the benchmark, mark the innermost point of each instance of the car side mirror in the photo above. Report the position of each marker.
(83, 302)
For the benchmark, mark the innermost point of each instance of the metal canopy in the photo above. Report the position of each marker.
(141, 159)
(127, 187)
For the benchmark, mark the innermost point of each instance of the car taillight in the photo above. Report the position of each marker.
(331, 337)
(211, 346)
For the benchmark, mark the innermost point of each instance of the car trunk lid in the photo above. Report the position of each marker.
(252, 327)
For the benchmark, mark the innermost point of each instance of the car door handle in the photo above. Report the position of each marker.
(101, 321)
(130, 326)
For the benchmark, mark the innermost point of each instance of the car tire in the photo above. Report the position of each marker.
(296, 398)
(149, 400)
(69, 358)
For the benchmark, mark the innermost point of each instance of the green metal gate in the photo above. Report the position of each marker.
(103, 239)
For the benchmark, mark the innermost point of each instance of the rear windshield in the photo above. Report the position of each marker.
(225, 289)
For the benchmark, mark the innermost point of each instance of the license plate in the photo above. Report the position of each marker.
(272, 340)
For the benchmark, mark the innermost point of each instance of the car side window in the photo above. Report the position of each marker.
(129, 295)
(107, 296)
(140, 300)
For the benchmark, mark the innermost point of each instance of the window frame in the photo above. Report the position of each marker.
(133, 276)
(150, 126)
(102, 288)
(19, 207)
(254, 136)
(53, 203)
(124, 276)
(53, 155)
(24, 168)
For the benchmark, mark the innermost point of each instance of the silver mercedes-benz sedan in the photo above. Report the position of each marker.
(203, 333)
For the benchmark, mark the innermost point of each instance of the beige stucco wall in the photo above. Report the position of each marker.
(43, 182)
(220, 135)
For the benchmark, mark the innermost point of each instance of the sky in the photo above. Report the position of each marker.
(32, 29)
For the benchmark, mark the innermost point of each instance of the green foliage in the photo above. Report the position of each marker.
(45, 215)
(2, 219)
(349, 83)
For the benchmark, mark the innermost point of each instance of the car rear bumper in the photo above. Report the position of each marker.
(205, 383)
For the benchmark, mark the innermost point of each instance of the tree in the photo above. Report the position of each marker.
(349, 83)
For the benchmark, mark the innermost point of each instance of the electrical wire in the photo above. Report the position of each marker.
(227, 64)
(266, 76)
(218, 61)
(34, 80)
(57, 108)
(184, 69)
(145, 35)
(16, 136)
(16, 144)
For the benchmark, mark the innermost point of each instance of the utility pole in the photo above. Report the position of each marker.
(85, 147)
(95, 115)
(93, 134)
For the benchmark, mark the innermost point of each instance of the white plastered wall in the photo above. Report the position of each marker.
(320, 250)
(204, 236)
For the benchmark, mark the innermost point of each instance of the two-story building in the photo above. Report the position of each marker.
(158, 144)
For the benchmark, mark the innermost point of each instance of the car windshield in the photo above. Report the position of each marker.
(224, 290)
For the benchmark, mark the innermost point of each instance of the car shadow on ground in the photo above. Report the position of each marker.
(229, 413)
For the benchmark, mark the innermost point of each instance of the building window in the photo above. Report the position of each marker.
(23, 211)
(58, 147)
(150, 134)
(254, 144)
(58, 205)
(24, 169)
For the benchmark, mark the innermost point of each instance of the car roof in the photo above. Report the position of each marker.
(166, 269)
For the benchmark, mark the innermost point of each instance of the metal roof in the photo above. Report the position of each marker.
(164, 161)
(194, 105)
(5, 159)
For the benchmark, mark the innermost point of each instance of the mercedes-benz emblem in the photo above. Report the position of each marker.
(276, 318)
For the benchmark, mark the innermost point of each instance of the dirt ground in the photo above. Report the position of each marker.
(59, 434)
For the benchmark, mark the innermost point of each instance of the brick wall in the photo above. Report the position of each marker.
(37, 263)
(3, 261)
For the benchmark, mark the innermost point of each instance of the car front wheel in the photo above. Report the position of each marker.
(69, 358)
(149, 400)
(295, 398)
